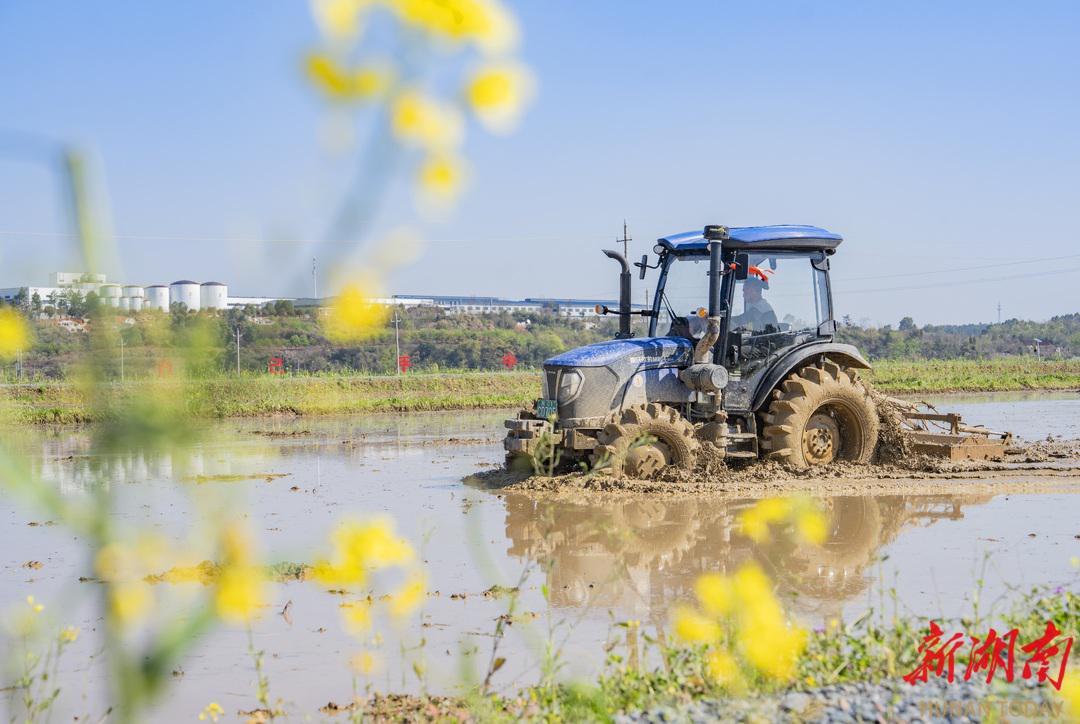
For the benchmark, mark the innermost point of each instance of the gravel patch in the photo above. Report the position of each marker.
(888, 701)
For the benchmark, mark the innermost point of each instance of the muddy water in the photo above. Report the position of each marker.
(601, 561)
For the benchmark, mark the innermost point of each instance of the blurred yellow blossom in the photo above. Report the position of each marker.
(354, 315)
(745, 605)
(498, 94)
(769, 643)
(1070, 692)
(213, 712)
(346, 84)
(409, 596)
(364, 663)
(693, 627)
(360, 548)
(239, 593)
(34, 605)
(357, 616)
(15, 333)
(420, 120)
(441, 176)
(810, 525)
(725, 670)
(715, 593)
(69, 634)
(129, 601)
(338, 19)
(484, 22)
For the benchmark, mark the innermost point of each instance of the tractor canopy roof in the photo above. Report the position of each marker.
(785, 237)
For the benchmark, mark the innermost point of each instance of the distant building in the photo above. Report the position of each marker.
(496, 305)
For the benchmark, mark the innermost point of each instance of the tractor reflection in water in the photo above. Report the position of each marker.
(640, 555)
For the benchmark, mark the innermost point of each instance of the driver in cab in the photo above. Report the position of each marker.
(757, 313)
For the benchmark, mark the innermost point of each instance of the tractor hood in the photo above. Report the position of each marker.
(589, 382)
(644, 353)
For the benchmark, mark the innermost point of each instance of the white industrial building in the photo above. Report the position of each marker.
(125, 298)
(213, 295)
(157, 297)
(185, 292)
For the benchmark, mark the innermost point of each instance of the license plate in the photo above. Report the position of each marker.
(546, 408)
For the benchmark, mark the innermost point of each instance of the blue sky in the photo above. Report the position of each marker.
(934, 136)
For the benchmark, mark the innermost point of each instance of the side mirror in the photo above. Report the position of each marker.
(742, 266)
(643, 265)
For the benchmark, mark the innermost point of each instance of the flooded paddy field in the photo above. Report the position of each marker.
(917, 547)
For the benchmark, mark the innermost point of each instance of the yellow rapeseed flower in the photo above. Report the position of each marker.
(483, 22)
(440, 176)
(725, 670)
(715, 593)
(357, 616)
(69, 634)
(34, 605)
(15, 333)
(345, 84)
(409, 596)
(422, 121)
(365, 663)
(213, 712)
(764, 636)
(358, 549)
(755, 521)
(498, 94)
(1070, 692)
(811, 526)
(129, 601)
(354, 316)
(338, 19)
(691, 626)
(239, 592)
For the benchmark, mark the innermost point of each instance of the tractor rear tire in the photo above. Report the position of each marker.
(641, 440)
(820, 415)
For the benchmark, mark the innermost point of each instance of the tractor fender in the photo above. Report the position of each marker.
(845, 355)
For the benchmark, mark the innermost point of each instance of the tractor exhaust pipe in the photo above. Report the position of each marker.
(624, 294)
(715, 235)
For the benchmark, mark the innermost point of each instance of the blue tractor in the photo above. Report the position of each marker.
(740, 353)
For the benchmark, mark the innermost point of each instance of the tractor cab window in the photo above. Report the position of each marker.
(778, 306)
(686, 290)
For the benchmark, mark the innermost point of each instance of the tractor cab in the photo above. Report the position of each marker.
(773, 289)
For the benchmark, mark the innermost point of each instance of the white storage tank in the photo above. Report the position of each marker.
(185, 292)
(133, 290)
(124, 303)
(157, 297)
(213, 295)
(136, 303)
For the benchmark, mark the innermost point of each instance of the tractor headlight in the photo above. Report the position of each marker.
(569, 385)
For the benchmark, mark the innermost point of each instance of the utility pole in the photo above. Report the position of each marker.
(238, 350)
(397, 343)
(625, 240)
(314, 278)
(999, 312)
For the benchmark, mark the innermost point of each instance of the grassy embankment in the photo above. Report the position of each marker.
(250, 395)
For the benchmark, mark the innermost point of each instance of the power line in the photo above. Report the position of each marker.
(952, 270)
(965, 282)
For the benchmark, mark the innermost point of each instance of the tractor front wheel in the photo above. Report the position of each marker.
(641, 440)
(820, 415)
